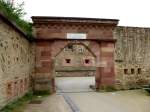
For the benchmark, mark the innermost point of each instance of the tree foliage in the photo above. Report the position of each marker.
(15, 14)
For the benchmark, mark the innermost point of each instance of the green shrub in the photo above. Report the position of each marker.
(42, 93)
(147, 88)
(108, 88)
(15, 14)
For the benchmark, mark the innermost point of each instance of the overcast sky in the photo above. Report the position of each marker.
(129, 12)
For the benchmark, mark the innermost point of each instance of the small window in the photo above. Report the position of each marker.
(132, 71)
(26, 83)
(68, 60)
(139, 70)
(125, 71)
(17, 45)
(1, 44)
(15, 83)
(21, 81)
(87, 61)
(81, 50)
(70, 46)
(21, 84)
(17, 58)
(9, 88)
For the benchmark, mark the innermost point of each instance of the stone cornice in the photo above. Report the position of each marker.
(98, 40)
(73, 20)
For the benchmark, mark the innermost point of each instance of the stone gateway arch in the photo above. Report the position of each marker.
(118, 56)
(53, 34)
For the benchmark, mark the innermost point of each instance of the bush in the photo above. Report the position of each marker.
(42, 93)
(108, 88)
(15, 14)
(147, 88)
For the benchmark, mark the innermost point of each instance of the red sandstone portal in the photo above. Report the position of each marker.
(54, 33)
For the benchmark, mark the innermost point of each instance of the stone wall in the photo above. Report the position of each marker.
(75, 60)
(16, 62)
(17, 56)
(132, 57)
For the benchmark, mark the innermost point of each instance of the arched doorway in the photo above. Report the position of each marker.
(75, 68)
(53, 33)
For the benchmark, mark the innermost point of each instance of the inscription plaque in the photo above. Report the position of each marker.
(76, 36)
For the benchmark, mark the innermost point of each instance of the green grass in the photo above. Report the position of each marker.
(18, 105)
(42, 93)
(108, 89)
(147, 90)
